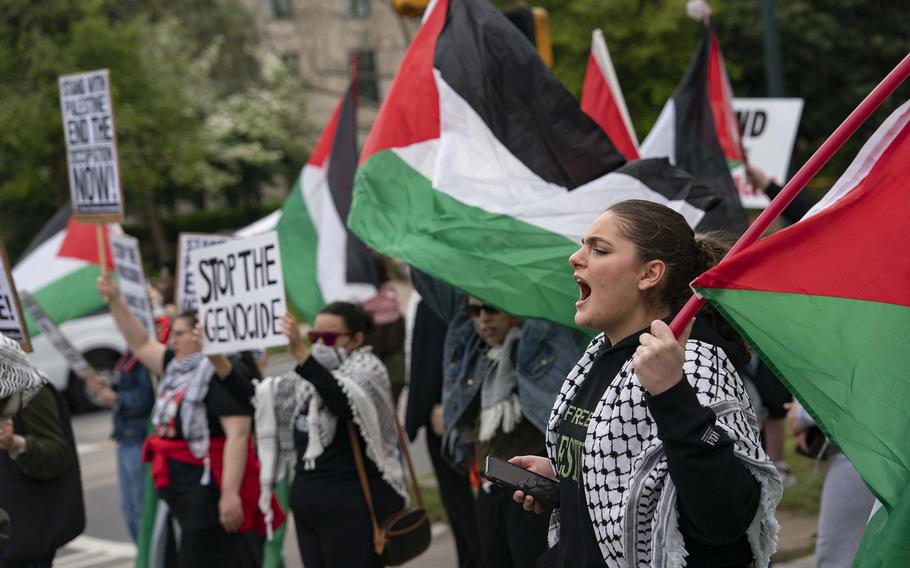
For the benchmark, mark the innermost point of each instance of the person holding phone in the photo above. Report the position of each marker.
(653, 440)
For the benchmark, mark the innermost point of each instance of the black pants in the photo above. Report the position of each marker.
(509, 535)
(458, 499)
(203, 542)
(333, 521)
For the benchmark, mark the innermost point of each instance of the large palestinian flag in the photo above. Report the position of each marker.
(482, 170)
(602, 99)
(697, 130)
(826, 302)
(60, 269)
(322, 261)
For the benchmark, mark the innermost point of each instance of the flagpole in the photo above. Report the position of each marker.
(821, 156)
(102, 250)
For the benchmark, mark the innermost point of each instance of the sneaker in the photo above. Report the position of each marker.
(786, 475)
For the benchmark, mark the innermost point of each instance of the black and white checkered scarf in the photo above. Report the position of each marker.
(19, 381)
(183, 388)
(631, 499)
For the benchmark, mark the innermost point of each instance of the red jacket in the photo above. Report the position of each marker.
(158, 451)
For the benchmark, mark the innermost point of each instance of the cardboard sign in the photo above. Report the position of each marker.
(47, 326)
(131, 279)
(768, 129)
(12, 323)
(91, 146)
(240, 294)
(186, 291)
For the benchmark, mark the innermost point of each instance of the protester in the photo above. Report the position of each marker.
(131, 398)
(337, 382)
(500, 379)
(846, 501)
(40, 486)
(202, 457)
(653, 469)
(424, 348)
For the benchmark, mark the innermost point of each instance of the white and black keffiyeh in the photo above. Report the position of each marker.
(500, 407)
(279, 400)
(630, 498)
(18, 379)
(184, 387)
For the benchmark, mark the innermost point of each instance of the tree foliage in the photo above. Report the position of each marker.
(194, 112)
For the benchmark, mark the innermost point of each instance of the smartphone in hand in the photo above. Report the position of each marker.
(501, 472)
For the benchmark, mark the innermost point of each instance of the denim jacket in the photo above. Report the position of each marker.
(135, 399)
(545, 354)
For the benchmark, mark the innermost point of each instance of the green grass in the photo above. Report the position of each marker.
(431, 500)
(805, 495)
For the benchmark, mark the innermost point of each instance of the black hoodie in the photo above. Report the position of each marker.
(717, 497)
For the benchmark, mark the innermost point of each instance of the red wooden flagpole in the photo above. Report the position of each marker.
(802, 177)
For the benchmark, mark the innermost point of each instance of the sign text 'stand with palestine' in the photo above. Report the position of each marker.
(91, 146)
(131, 279)
(240, 294)
(186, 289)
(12, 324)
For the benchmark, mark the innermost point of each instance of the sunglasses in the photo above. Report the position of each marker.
(328, 337)
(474, 310)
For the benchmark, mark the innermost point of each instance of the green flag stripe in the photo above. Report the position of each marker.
(297, 238)
(843, 359)
(70, 297)
(397, 211)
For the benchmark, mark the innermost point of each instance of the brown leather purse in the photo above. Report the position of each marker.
(405, 534)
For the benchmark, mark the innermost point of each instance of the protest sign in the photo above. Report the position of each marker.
(240, 294)
(47, 326)
(768, 128)
(12, 324)
(91, 146)
(131, 279)
(186, 292)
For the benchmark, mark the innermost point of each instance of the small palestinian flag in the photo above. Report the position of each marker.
(482, 170)
(826, 303)
(602, 100)
(322, 261)
(697, 130)
(60, 268)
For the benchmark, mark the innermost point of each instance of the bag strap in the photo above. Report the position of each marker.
(378, 537)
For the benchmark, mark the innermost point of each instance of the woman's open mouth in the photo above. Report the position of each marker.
(584, 292)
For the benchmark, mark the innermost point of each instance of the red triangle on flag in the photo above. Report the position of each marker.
(81, 242)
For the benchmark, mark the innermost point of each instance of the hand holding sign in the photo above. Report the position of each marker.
(240, 294)
(291, 328)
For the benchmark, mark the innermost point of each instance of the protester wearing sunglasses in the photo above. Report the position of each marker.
(500, 378)
(337, 381)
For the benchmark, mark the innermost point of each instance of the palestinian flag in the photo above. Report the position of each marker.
(481, 169)
(826, 303)
(60, 269)
(322, 261)
(697, 130)
(602, 100)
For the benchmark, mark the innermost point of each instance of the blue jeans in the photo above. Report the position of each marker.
(131, 473)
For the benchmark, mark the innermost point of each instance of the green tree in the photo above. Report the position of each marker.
(178, 70)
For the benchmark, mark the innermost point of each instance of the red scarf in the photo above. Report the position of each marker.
(158, 451)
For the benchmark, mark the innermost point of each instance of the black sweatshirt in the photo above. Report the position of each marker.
(717, 496)
(337, 460)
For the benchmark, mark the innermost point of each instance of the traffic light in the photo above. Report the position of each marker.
(534, 23)
(411, 8)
